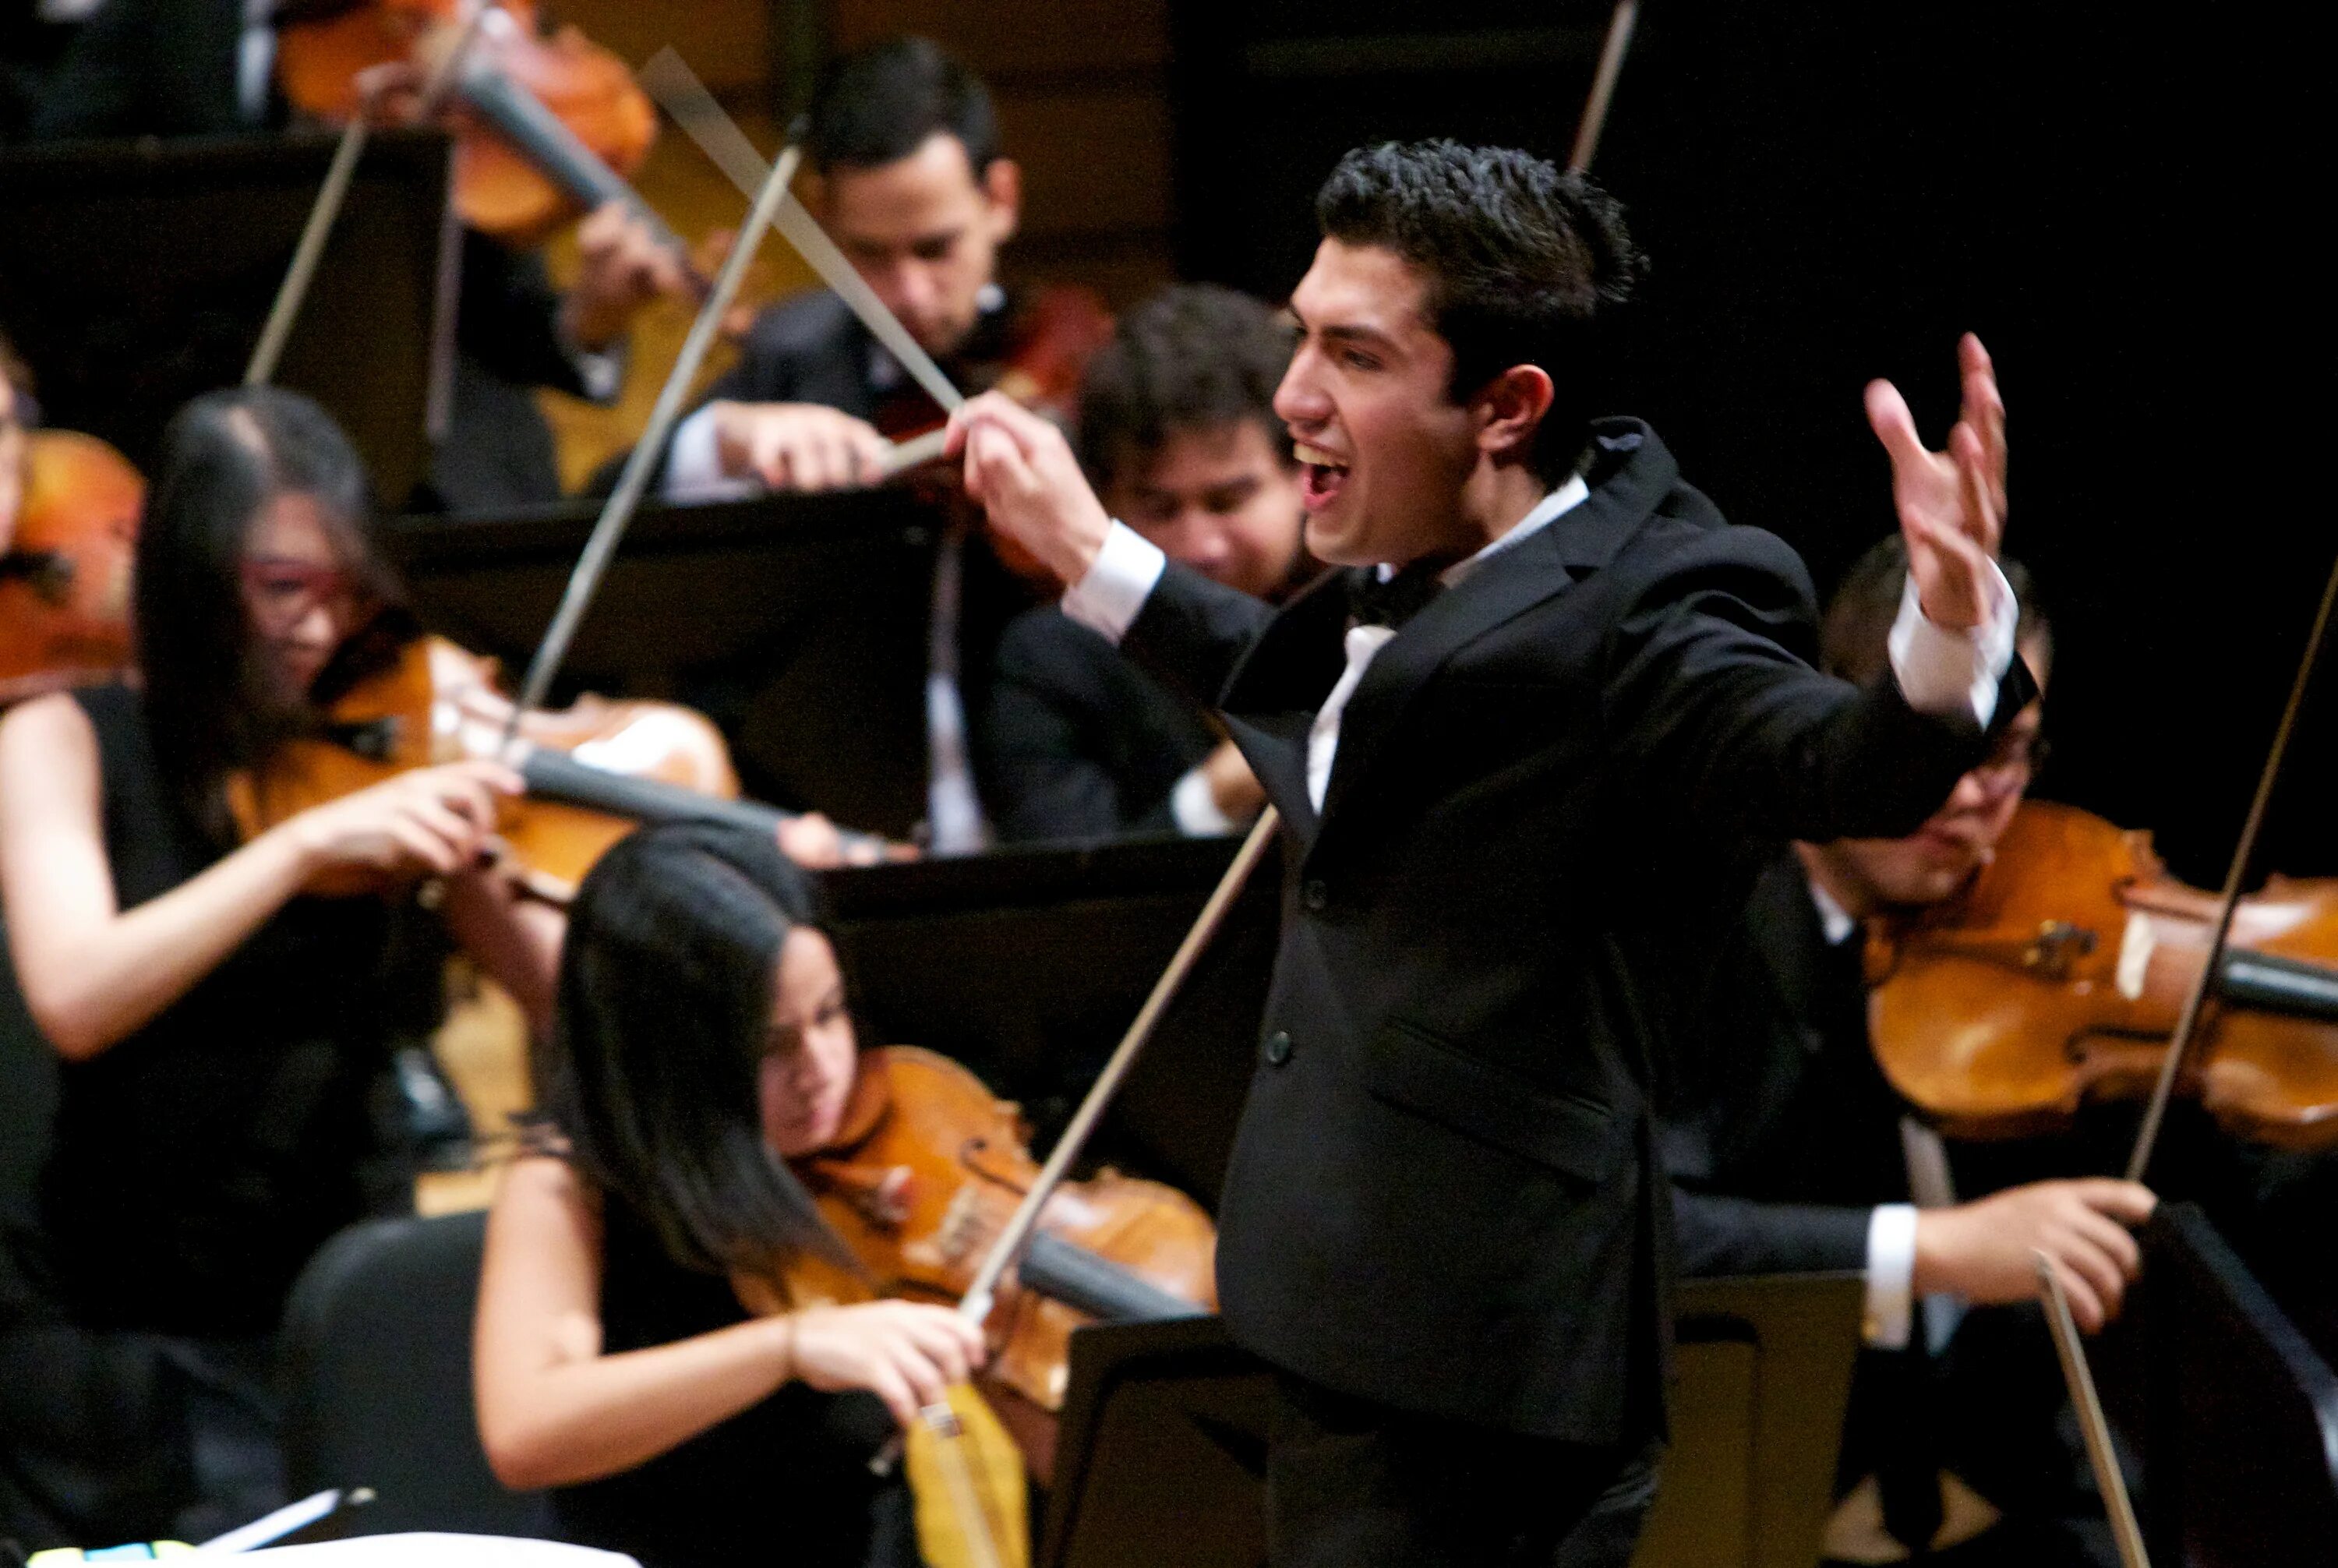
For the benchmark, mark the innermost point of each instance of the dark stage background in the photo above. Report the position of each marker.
(1834, 192)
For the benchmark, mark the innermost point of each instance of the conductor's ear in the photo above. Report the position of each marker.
(1510, 406)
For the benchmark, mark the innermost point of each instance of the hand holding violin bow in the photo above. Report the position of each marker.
(1021, 470)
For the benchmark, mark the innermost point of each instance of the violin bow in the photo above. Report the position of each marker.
(326, 210)
(2081, 1378)
(2188, 1023)
(1625, 17)
(601, 545)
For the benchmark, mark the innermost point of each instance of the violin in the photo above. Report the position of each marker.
(546, 126)
(2058, 976)
(595, 771)
(64, 580)
(926, 1168)
(1037, 356)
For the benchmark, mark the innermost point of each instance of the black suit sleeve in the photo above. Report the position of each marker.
(1193, 632)
(1729, 727)
(509, 317)
(1046, 778)
(1721, 1235)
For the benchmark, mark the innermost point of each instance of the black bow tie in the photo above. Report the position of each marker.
(1372, 602)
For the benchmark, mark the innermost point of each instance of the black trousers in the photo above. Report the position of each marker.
(1354, 1483)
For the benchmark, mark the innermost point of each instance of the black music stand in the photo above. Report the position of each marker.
(798, 622)
(2239, 1415)
(1028, 963)
(1161, 1453)
(135, 274)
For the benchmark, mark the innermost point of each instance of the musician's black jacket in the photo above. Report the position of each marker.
(1781, 1134)
(1552, 789)
(1076, 742)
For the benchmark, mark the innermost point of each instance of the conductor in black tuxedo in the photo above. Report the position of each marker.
(1178, 433)
(1790, 1153)
(1528, 749)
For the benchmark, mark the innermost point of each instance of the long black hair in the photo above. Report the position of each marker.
(665, 1015)
(224, 458)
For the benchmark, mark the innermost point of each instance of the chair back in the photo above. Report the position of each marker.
(376, 1369)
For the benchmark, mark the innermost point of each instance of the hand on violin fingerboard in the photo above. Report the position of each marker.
(1020, 468)
(1951, 504)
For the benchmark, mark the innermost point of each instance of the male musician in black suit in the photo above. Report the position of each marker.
(1178, 433)
(908, 176)
(1790, 1153)
(203, 68)
(1514, 824)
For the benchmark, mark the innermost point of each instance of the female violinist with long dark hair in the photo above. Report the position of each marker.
(219, 1034)
(701, 1040)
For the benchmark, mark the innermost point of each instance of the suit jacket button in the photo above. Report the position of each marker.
(1315, 895)
(1278, 1048)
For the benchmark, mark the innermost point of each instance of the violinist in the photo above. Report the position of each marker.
(1177, 432)
(1516, 747)
(909, 179)
(204, 67)
(220, 1036)
(702, 1039)
(1788, 1153)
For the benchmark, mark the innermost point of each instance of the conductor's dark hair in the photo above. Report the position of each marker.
(1526, 264)
(208, 704)
(1855, 635)
(878, 105)
(664, 1017)
(1195, 357)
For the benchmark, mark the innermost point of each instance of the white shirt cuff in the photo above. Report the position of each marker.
(1194, 805)
(1954, 675)
(1890, 1274)
(1107, 600)
(693, 468)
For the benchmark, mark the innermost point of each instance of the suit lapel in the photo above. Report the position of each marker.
(1271, 699)
(1503, 588)
(1630, 474)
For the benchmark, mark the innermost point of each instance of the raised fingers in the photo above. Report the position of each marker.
(1888, 417)
(1975, 486)
(1984, 410)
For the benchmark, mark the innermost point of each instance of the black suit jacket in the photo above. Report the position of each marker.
(1076, 742)
(1443, 1194)
(1783, 1135)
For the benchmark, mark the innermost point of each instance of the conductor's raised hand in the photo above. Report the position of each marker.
(1021, 470)
(1951, 504)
